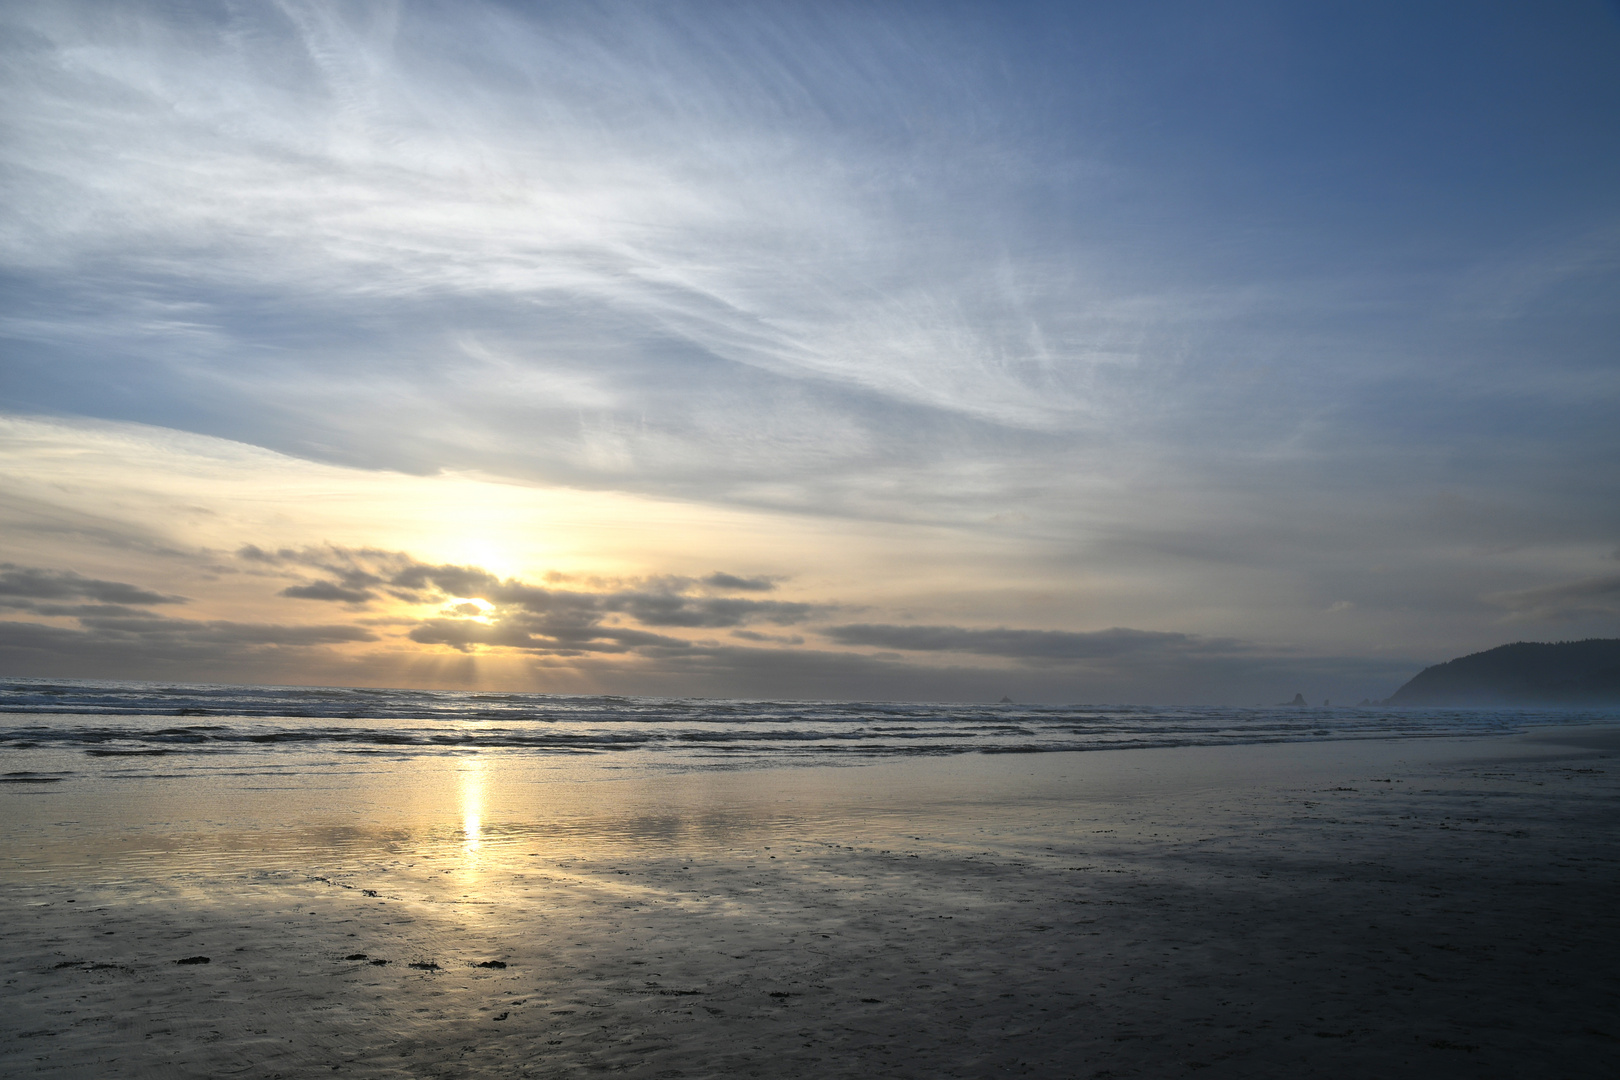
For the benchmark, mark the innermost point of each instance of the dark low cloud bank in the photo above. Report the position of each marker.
(119, 644)
(707, 670)
(115, 635)
(22, 587)
(158, 632)
(1032, 645)
(617, 636)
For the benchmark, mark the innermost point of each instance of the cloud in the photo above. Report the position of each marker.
(114, 631)
(448, 580)
(156, 632)
(898, 262)
(721, 580)
(626, 630)
(328, 590)
(673, 609)
(772, 252)
(567, 621)
(73, 611)
(653, 144)
(113, 642)
(355, 571)
(634, 635)
(1031, 645)
(21, 586)
(525, 616)
(978, 300)
(555, 637)
(830, 674)
(1598, 596)
(781, 639)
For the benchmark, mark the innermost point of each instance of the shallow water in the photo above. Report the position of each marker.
(109, 779)
(510, 913)
(476, 909)
(477, 812)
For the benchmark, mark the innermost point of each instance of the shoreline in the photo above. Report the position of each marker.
(273, 729)
(1349, 908)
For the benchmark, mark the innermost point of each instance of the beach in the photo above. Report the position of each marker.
(1390, 907)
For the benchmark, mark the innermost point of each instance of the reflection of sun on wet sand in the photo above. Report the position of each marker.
(1332, 909)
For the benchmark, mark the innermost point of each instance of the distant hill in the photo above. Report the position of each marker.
(1524, 673)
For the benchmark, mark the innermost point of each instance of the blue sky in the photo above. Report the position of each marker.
(1274, 340)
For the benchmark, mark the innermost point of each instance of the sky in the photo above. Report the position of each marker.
(1163, 352)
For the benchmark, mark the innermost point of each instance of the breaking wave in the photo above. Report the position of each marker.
(132, 719)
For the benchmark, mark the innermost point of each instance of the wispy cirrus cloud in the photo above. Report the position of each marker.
(1278, 326)
(775, 253)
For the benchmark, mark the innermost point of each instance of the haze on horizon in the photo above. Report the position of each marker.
(1161, 352)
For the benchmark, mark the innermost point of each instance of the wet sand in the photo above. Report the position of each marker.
(1342, 909)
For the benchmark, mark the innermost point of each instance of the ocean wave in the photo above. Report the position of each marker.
(131, 719)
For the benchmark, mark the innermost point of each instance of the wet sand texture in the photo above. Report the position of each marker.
(1410, 920)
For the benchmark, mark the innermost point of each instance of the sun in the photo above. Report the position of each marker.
(485, 553)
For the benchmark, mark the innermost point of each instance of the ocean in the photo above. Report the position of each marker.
(52, 722)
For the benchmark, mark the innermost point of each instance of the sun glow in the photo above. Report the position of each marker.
(472, 807)
(489, 553)
(472, 608)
